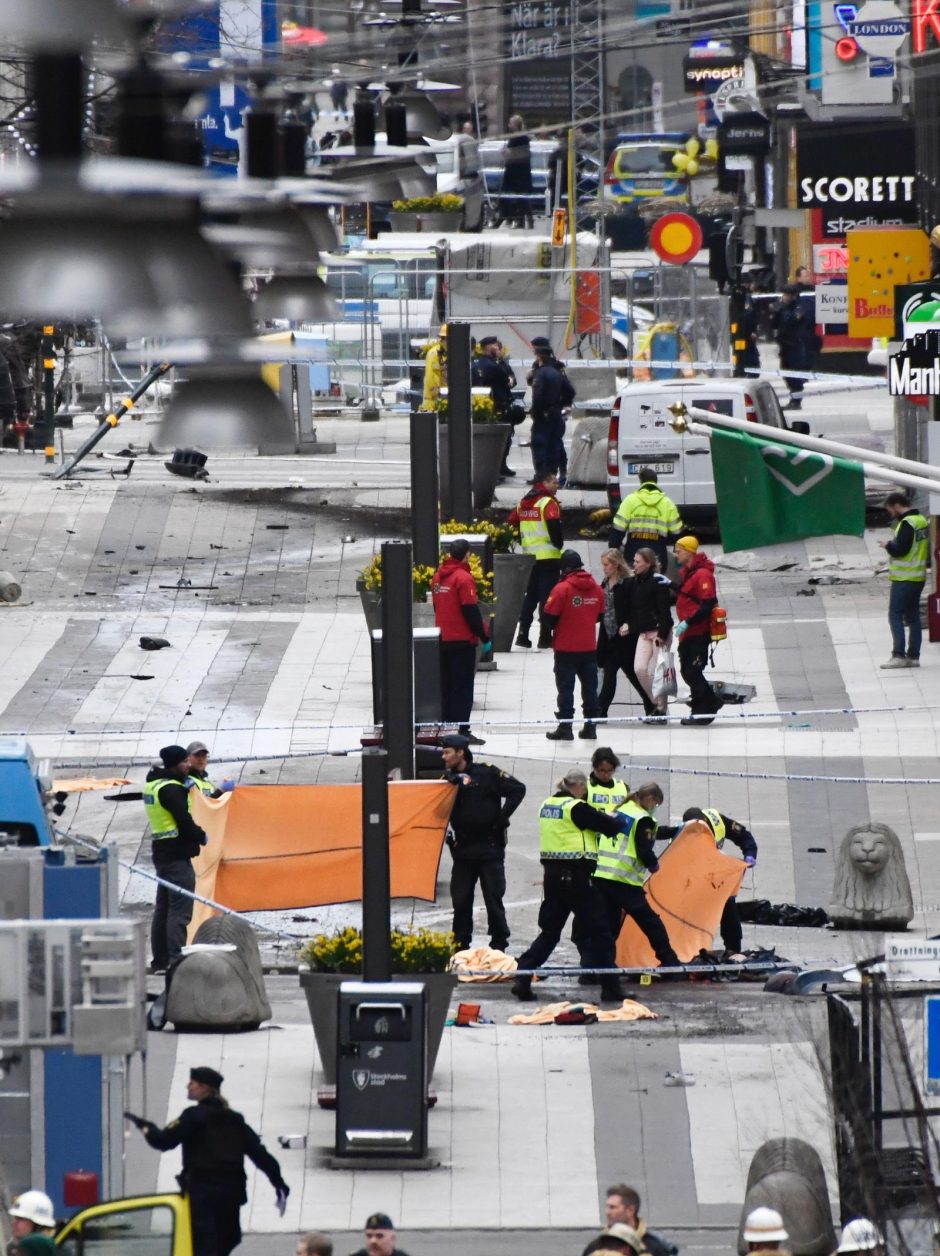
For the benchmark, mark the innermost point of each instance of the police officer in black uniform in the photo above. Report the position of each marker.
(486, 798)
(215, 1141)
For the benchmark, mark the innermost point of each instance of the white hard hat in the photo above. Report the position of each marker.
(764, 1225)
(35, 1206)
(860, 1235)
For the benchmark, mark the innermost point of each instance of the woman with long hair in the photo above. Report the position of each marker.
(650, 619)
(616, 645)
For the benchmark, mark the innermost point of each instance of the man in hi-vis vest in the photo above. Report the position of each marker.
(908, 560)
(538, 518)
(176, 839)
(623, 864)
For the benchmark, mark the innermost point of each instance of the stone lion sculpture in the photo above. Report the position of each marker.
(871, 888)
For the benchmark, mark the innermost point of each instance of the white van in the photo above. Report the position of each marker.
(640, 435)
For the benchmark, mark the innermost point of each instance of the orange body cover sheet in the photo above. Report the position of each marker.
(688, 893)
(277, 846)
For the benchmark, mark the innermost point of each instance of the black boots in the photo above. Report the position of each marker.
(563, 732)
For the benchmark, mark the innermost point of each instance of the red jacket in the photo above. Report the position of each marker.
(454, 591)
(697, 595)
(575, 605)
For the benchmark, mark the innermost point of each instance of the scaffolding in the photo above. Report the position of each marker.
(587, 76)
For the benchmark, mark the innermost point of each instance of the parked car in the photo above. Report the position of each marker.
(640, 435)
(641, 166)
(493, 159)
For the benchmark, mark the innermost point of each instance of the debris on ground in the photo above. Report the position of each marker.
(630, 1010)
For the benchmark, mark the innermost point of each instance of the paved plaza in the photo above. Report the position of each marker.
(251, 577)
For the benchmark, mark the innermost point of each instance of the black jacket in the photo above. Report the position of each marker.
(649, 604)
(547, 391)
(609, 649)
(215, 1142)
(742, 837)
(495, 374)
(901, 544)
(191, 837)
(480, 816)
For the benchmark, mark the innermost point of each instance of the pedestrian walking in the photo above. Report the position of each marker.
(552, 393)
(624, 862)
(646, 518)
(457, 615)
(721, 827)
(792, 321)
(697, 597)
(538, 518)
(567, 846)
(908, 559)
(515, 193)
(176, 839)
(380, 1237)
(339, 96)
(198, 754)
(616, 640)
(572, 610)
(650, 619)
(435, 369)
(479, 831)
(215, 1141)
(492, 371)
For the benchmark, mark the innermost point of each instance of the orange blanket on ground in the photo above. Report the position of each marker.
(277, 846)
(688, 893)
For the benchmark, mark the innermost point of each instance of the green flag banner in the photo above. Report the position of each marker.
(768, 492)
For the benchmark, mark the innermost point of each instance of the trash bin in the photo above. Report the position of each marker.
(427, 672)
(381, 1070)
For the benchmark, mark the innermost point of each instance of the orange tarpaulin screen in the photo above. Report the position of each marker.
(275, 846)
(688, 893)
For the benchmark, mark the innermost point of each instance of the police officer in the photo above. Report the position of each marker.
(492, 371)
(215, 1141)
(646, 517)
(606, 792)
(721, 827)
(568, 846)
(538, 517)
(624, 861)
(176, 839)
(908, 559)
(486, 798)
(198, 753)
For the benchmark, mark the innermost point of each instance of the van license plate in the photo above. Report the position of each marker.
(661, 468)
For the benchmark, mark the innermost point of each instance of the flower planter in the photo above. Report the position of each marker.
(422, 613)
(489, 446)
(439, 220)
(322, 991)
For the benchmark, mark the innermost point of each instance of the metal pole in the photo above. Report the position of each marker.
(785, 437)
(376, 883)
(110, 421)
(424, 488)
(459, 429)
(870, 469)
(48, 391)
(398, 713)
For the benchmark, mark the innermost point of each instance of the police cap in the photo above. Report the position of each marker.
(207, 1076)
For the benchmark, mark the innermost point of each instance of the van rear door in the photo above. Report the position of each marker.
(696, 471)
(645, 439)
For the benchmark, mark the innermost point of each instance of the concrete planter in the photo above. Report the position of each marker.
(489, 445)
(322, 989)
(422, 613)
(510, 576)
(449, 220)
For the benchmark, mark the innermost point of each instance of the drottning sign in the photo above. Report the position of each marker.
(559, 227)
(932, 1044)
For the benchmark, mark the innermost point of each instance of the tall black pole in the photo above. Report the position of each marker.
(398, 714)
(424, 488)
(376, 875)
(459, 430)
(736, 305)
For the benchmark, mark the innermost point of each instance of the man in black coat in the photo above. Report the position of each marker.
(552, 391)
(492, 371)
(792, 321)
(215, 1141)
(486, 798)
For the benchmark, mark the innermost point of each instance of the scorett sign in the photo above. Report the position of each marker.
(857, 174)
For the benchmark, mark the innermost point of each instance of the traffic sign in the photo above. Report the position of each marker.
(676, 238)
(932, 1044)
(559, 227)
